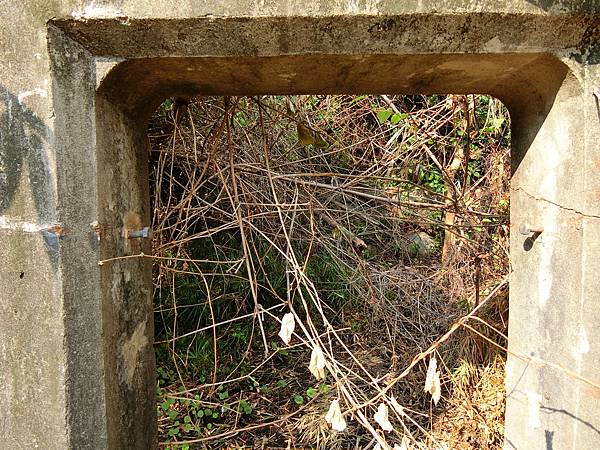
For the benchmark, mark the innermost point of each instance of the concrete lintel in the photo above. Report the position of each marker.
(382, 33)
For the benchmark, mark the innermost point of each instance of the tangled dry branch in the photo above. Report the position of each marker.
(333, 210)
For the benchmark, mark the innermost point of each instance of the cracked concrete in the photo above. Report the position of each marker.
(565, 208)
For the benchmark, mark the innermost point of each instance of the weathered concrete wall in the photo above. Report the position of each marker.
(553, 306)
(76, 362)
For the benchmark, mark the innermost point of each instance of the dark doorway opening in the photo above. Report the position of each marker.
(375, 224)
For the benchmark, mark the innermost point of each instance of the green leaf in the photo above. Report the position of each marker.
(497, 122)
(187, 419)
(311, 392)
(397, 118)
(384, 115)
(167, 105)
(323, 388)
(298, 399)
(223, 395)
(200, 413)
(281, 383)
(245, 407)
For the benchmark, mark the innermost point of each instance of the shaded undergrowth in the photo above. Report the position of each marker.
(377, 222)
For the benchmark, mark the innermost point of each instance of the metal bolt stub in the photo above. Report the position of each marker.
(97, 229)
(138, 234)
(56, 230)
(526, 229)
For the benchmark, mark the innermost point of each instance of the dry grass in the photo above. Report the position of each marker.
(252, 225)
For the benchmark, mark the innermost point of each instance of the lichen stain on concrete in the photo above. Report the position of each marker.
(91, 11)
(357, 6)
(37, 91)
(6, 223)
(534, 401)
(130, 352)
(115, 290)
(132, 221)
(545, 278)
(583, 344)
(494, 45)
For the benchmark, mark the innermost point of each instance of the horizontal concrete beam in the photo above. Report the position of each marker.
(383, 33)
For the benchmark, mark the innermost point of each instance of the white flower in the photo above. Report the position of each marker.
(335, 418)
(432, 381)
(287, 328)
(381, 417)
(317, 363)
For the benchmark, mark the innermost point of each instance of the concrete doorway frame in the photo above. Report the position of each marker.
(108, 74)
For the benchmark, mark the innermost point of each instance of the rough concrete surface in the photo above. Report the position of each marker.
(78, 79)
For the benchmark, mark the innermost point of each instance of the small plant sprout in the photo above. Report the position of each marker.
(334, 416)
(432, 382)
(287, 328)
(317, 363)
(381, 417)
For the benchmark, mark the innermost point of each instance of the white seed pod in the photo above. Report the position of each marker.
(288, 323)
(317, 363)
(335, 417)
(381, 417)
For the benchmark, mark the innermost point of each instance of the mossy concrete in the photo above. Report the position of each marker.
(78, 80)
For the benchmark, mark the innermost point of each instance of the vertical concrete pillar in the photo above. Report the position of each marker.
(555, 285)
(77, 207)
(126, 284)
(109, 328)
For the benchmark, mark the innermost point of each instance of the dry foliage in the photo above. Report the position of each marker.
(331, 212)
